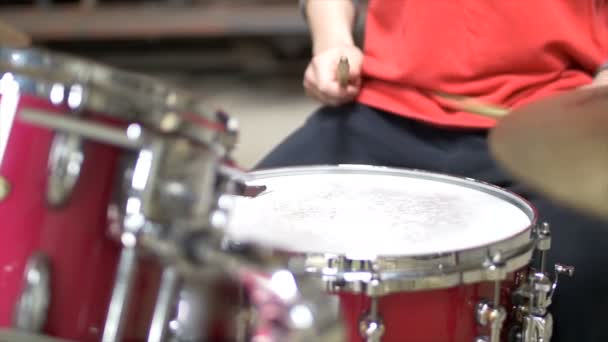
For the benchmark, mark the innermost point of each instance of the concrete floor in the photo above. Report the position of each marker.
(268, 108)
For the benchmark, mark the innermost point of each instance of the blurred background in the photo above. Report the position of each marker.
(246, 57)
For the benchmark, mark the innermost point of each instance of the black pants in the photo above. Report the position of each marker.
(362, 135)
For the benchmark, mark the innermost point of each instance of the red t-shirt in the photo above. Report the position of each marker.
(506, 52)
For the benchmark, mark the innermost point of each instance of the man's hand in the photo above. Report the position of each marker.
(331, 27)
(320, 78)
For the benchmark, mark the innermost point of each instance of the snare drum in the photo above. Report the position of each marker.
(412, 255)
(87, 165)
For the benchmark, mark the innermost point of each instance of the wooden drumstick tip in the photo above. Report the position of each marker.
(343, 72)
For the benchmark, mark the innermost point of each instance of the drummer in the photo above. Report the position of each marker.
(504, 52)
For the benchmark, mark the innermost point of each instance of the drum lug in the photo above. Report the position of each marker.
(65, 163)
(66, 155)
(31, 310)
(492, 316)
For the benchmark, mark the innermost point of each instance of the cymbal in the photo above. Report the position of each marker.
(12, 37)
(558, 146)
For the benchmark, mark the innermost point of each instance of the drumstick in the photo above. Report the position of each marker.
(474, 106)
(343, 72)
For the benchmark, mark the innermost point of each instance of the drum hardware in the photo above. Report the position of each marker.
(169, 122)
(233, 181)
(543, 243)
(307, 312)
(534, 295)
(534, 298)
(537, 322)
(5, 188)
(125, 274)
(134, 137)
(202, 249)
(297, 311)
(440, 271)
(32, 307)
(185, 193)
(66, 157)
(371, 326)
(9, 95)
(9, 91)
(492, 314)
(250, 190)
(131, 138)
(132, 222)
(172, 178)
(163, 307)
(118, 94)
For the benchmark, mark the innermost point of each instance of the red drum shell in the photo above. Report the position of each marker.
(444, 315)
(83, 257)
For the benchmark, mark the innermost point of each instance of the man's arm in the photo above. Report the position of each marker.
(331, 25)
(331, 22)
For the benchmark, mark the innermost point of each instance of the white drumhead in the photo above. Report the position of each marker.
(367, 214)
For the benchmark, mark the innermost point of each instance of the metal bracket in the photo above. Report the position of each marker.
(66, 157)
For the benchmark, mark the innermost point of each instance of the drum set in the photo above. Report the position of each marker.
(124, 218)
